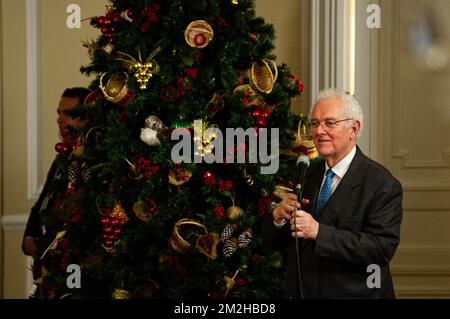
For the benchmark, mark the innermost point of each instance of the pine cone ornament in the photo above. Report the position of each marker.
(230, 247)
(85, 173)
(73, 172)
(245, 238)
(227, 232)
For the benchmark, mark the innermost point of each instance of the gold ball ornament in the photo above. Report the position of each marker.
(115, 88)
(198, 34)
(234, 212)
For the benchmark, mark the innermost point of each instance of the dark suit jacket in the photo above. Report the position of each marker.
(34, 228)
(359, 226)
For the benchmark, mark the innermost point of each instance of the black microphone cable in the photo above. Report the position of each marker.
(298, 199)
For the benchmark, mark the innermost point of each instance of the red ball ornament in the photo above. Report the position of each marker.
(130, 14)
(61, 148)
(208, 178)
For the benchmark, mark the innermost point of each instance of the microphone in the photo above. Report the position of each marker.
(299, 176)
(301, 167)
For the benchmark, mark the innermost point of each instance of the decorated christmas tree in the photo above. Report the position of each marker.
(189, 132)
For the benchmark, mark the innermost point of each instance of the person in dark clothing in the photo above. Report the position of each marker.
(68, 128)
(342, 238)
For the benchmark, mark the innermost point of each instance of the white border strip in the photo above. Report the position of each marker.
(33, 98)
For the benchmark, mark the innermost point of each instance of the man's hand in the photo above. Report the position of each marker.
(303, 225)
(285, 208)
(29, 246)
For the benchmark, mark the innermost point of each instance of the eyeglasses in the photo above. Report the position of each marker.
(329, 123)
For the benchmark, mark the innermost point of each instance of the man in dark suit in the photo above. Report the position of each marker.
(342, 239)
(69, 128)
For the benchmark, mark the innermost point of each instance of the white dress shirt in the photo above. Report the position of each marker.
(339, 170)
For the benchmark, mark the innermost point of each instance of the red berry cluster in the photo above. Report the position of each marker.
(209, 178)
(151, 16)
(145, 167)
(260, 116)
(295, 84)
(219, 210)
(225, 185)
(180, 173)
(107, 24)
(263, 204)
(184, 82)
(111, 228)
(61, 254)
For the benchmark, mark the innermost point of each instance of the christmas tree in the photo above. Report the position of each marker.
(157, 201)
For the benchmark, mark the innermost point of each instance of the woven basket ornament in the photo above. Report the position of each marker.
(198, 34)
(263, 74)
(177, 241)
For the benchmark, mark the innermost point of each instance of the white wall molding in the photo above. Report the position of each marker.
(33, 100)
(367, 75)
(315, 49)
(408, 162)
(14, 222)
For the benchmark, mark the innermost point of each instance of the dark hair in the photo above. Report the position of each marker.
(80, 92)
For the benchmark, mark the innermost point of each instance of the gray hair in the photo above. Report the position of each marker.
(352, 107)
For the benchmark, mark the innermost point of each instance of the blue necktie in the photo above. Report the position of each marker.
(325, 192)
